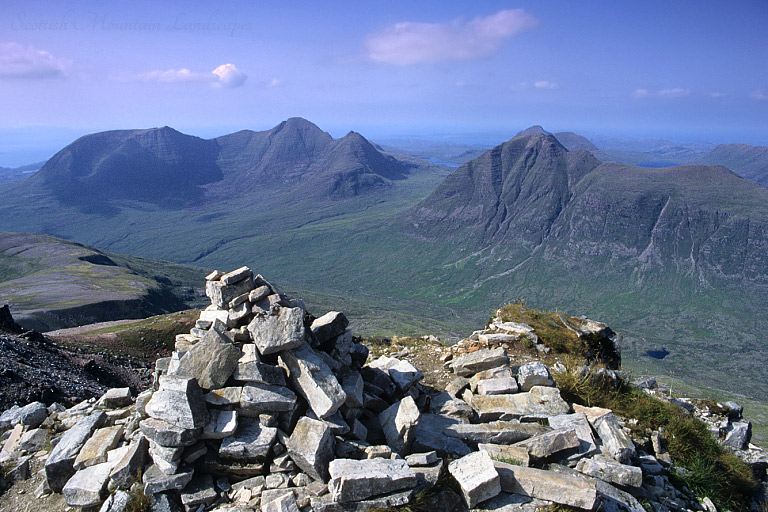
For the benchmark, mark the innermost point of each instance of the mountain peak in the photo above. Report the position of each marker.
(533, 130)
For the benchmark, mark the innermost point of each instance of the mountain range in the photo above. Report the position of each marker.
(674, 257)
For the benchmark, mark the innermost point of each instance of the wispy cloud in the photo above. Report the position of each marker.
(759, 95)
(717, 95)
(544, 85)
(27, 62)
(410, 42)
(226, 75)
(675, 92)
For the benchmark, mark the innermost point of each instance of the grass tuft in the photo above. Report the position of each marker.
(712, 470)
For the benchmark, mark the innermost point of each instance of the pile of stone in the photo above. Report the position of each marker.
(601, 342)
(263, 407)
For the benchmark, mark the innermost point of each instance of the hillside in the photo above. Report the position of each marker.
(748, 161)
(674, 257)
(51, 283)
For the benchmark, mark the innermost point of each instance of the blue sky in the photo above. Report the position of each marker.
(473, 71)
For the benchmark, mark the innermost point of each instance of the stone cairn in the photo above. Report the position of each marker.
(264, 407)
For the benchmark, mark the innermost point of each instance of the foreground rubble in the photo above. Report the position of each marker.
(263, 407)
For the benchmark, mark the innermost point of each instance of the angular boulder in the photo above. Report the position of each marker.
(356, 480)
(258, 398)
(311, 376)
(311, 447)
(59, 466)
(211, 361)
(87, 487)
(547, 485)
(398, 422)
(539, 403)
(478, 361)
(534, 374)
(477, 477)
(275, 333)
(179, 401)
(614, 439)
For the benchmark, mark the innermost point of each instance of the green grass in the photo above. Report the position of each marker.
(714, 472)
(548, 326)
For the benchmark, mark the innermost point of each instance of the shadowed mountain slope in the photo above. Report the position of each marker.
(751, 162)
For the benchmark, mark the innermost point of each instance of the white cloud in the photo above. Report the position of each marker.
(409, 42)
(545, 84)
(28, 62)
(717, 95)
(675, 92)
(226, 75)
(760, 95)
(229, 76)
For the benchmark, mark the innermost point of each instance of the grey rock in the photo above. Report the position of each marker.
(224, 396)
(168, 434)
(259, 293)
(162, 502)
(578, 422)
(352, 384)
(198, 491)
(255, 371)
(386, 502)
(94, 451)
(539, 403)
(59, 466)
(422, 459)
(429, 435)
(312, 377)
(126, 469)
(156, 481)
(534, 374)
(513, 454)
(34, 440)
(738, 435)
(456, 386)
(500, 386)
(283, 503)
(251, 442)
(31, 415)
(258, 398)
(547, 485)
(355, 480)
(614, 439)
(236, 276)
(311, 447)
(329, 326)
(116, 502)
(115, 398)
(398, 422)
(222, 294)
(479, 360)
(476, 476)
(88, 486)
(275, 333)
(509, 502)
(179, 401)
(546, 445)
(19, 470)
(496, 432)
(611, 471)
(443, 403)
(403, 373)
(211, 361)
(222, 424)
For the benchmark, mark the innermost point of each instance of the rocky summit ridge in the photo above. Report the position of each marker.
(263, 406)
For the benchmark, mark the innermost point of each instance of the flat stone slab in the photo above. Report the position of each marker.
(495, 432)
(168, 434)
(500, 386)
(511, 454)
(275, 333)
(179, 401)
(312, 377)
(429, 435)
(131, 463)
(156, 481)
(59, 466)
(477, 477)
(222, 294)
(547, 485)
(355, 480)
(94, 451)
(548, 444)
(115, 398)
(258, 398)
(256, 371)
(578, 422)
(198, 491)
(88, 486)
(311, 447)
(224, 396)
(611, 471)
(539, 403)
(478, 361)
(251, 442)
(386, 502)
(329, 326)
